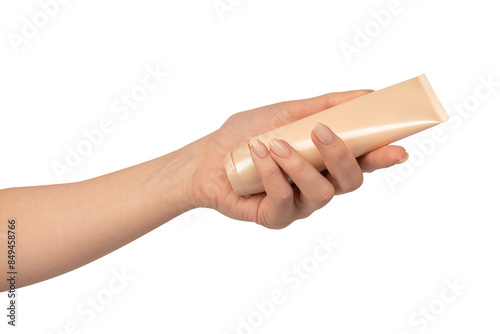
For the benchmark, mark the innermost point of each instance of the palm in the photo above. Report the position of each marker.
(237, 130)
(215, 187)
(214, 190)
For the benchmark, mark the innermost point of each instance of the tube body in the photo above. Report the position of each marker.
(364, 124)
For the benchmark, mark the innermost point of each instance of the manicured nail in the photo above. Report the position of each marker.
(323, 133)
(400, 161)
(259, 148)
(279, 148)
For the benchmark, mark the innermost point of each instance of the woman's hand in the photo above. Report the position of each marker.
(65, 226)
(282, 203)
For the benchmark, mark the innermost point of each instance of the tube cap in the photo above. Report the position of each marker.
(232, 175)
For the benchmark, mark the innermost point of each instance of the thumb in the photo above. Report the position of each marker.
(302, 108)
(334, 99)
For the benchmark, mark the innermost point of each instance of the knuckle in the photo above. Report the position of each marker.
(305, 214)
(325, 195)
(283, 196)
(271, 173)
(274, 223)
(298, 165)
(357, 182)
(343, 153)
(280, 225)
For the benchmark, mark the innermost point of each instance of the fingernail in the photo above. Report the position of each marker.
(259, 148)
(323, 133)
(279, 148)
(400, 161)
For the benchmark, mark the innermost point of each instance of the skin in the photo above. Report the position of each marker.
(62, 227)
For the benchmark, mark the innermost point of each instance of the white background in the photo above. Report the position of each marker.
(203, 272)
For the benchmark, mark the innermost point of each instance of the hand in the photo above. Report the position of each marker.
(283, 203)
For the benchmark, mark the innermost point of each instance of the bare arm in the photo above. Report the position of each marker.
(63, 227)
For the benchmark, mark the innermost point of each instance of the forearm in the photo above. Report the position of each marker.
(62, 227)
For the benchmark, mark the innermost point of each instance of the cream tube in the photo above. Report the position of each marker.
(364, 124)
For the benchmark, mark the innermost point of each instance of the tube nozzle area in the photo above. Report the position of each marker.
(232, 175)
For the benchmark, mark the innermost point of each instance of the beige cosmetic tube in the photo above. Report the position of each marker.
(364, 124)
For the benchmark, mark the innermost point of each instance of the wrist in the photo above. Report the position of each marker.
(184, 170)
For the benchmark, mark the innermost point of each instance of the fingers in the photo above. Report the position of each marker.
(344, 171)
(315, 190)
(282, 204)
(277, 207)
(383, 157)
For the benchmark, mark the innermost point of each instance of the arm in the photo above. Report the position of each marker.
(62, 227)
